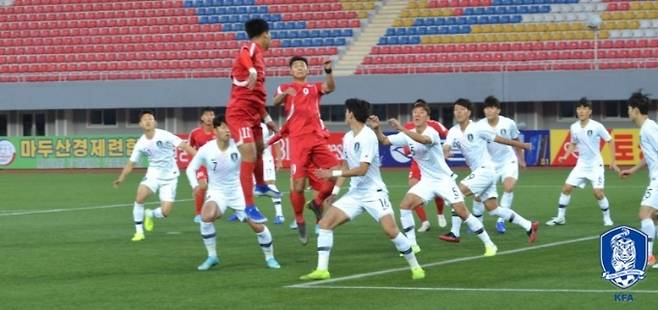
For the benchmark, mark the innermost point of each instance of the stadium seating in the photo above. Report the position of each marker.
(434, 36)
(58, 40)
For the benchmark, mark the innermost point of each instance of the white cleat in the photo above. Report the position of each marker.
(425, 226)
(442, 220)
(556, 221)
(608, 222)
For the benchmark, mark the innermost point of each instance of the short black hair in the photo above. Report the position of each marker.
(297, 58)
(584, 102)
(640, 101)
(492, 101)
(255, 27)
(206, 109)
(360, 108)
(464, 103)
(144, 112)
(218, 121)
(420, 103)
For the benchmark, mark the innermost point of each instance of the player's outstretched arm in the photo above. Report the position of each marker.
(613, 160)
(395, 124)
(191, 171)
(447, 151)
(124, 172)
(376, 127)
(361, 170)
(329, 84)
(520, 154)
(187, 148)
(280, 97)
(628, 172)
(514, 143)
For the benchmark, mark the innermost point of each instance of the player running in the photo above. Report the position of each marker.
(197, 138)
(222, 160)
(159, 147)
(586, 135)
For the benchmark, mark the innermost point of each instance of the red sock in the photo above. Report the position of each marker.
(247, 181)
(420, 211)
(324, 192)
(198, 201)
(439, 205)
(258, 170)
(297, 200)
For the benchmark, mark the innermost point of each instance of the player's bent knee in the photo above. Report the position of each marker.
(566, 189)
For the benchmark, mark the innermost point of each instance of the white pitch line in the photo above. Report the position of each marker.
(440, 263)
(498, 290)
(78, 209)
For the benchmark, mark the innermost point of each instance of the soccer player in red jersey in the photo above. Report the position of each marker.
(414, 177)
(309, 140)
(197, 138)
(246, 110)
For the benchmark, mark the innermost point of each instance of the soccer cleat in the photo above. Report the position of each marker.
(316, 275)
(317, 210)
(208, 263)
(417, 273)
(532, 233)
(265, 190)
(442, 220)
(424, 226)
(490, 250)
(279, 219)
(138, 237)
(293, 225)
(197, 218)
(254, 214)
(608, 222)
(556, 221)
(148, 223)
(654, 266)
(301, 231)
(449, 237)
(500, 226)
(233, 218)
(272, 263)
(652, 261)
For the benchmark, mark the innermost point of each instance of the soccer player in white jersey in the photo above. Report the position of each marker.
(367, 192)
(222, 160)
(159, 147)
(508, 159)
(471, 139)
(638, 112)
(586, 135)
(425, 146)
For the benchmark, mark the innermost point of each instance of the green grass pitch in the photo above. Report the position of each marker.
(65, 244)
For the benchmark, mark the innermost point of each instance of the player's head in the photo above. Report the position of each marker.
(356, 110)
(147, 120)
(584, 109)
(207, 116)
(258, 30)
(298, 67)
(420, 113)
(491, 107)
(462, 109)
(221, 128)
(638, 104)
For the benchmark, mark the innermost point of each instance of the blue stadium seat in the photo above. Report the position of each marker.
(469, 11)
(479, 11)
(517, 19)
(203, 20)
(505, 19)
(262, 9)
(392, 40)
(439, 22)
(188, 3)
(412, 31)
(465, 29)
(300, 25)
(534, 9)
(340, 41)
(490, 10)
(433, 30)
(400, 31)
(512, 10)
(483, 19)
(454, 30)
(296, 43)
(422, 30)
(517, 2)
(545, 9)
(472, 20)
(501, 10)
(414, 40)
(252, 10)
(243, 36)
(451, 21)
(383, 41)
(506, 2)
(524, 9)
(390, 32)
(461, 20)
(494, 19)
(444, 30)
(403, 40)
(242, 10)
(232, 10)
(214, 19)
(348, 32)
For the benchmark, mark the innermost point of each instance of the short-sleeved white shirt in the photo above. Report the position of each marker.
(364, 147)
(223, 167)
(473, 143)
(160, 152)
(505, 128)
(588, 140)
(428, 156)
(649, 146)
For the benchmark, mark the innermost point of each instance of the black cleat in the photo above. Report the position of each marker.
(317, 210)
(301, 230)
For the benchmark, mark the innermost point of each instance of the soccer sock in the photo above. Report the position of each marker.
(506, 200)
(265, 240)
(478, 210)
(440, 205)
(511, 216)
(258, 170)
(156, 213)
(138, 216)
(564, 202)
(297, 200)
(325, 242)
(605, 207)
(247, 181)
(324, 192)
(407, 221)
(404, 246)
(456, 224)
(420, 211)
(476, 227)
(649, 229)
(209, 237)
(276, 201)
(198, 201)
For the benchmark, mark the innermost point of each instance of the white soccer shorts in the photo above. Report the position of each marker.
(508, 169)
(427, 189)
(235, 201)
(650, 198)
(376, 204)
(166, 189)
(482, 183)
(581, 174)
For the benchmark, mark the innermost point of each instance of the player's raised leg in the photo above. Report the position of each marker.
(333, 218)
(143, 193)
(402, 244)
(563, 203)
(209, 214)
(264, 238)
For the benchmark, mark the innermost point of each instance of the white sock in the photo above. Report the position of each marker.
(564, 202)
(404, 246)
(478, 210)
(476, 226)
(407, 221)
(276, 201)
(506, 200)
(325, 242)
(156, 213)
(456, 224)
(265, 241)
(209, 237)
(138, 216)
(649, 229)
(513, 217)
(605, 207)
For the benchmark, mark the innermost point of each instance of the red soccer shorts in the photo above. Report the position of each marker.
(202, 174)
(244, 121)
(310, 151)
(414, 171)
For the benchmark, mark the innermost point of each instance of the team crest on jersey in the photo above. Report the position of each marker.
(590, 132)
(234, 156)
(305, 91)
(624, 256)
(357, 146)
(503, 131)
(159, 144)
(469, 137)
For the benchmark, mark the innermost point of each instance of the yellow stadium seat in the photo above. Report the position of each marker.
(604, 35)
(646, 5)
(408, 22)
(446, 12)
(425, 40)
(404, 13)
(636, 5)
(634, 24)
(476, 29)
(363, 14)
(507, 28)
(397, 23)
(497, 28)
(652, 14)
(640, 15)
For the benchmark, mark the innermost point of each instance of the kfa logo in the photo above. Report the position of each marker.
(470, 137)
(234, 156)
(503, 132)
(624, 256)
(357, 146)
(589, 133)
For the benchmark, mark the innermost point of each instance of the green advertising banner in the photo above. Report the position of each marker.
(65, 152)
